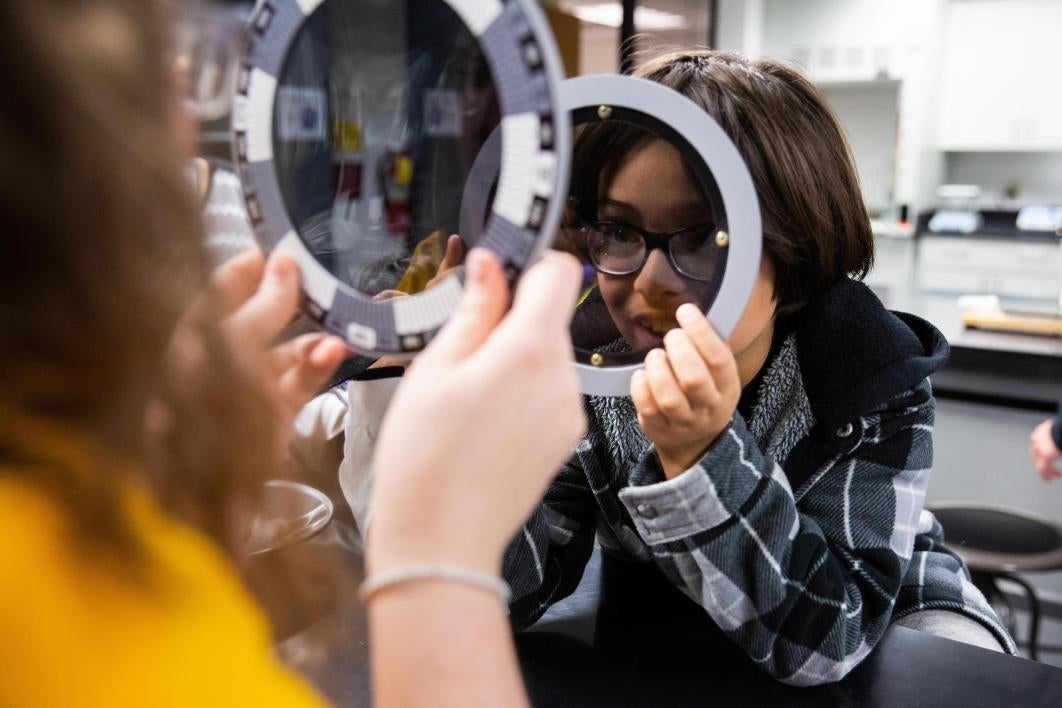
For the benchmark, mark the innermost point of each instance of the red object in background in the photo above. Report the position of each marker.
(346, 179)
(399, 218)
(397, 171)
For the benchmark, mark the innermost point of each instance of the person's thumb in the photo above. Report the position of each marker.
(482, 306)
(546, 297)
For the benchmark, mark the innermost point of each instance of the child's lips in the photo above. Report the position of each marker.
(649, 333)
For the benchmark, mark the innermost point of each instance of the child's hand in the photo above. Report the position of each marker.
(686, 396)
(259, 298)
(452, 258)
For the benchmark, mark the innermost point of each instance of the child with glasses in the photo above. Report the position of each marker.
(777, 478)
(606, 224)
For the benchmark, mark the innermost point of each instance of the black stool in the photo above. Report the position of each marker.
(997, 542)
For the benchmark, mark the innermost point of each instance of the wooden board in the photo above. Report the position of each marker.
(1021, 323)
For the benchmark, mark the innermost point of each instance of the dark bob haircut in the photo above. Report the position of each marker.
(816, 230)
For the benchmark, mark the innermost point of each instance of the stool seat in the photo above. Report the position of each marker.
(995, 538)
(995, 542)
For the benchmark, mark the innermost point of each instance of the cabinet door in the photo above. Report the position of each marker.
(1002, 75)
(979, 95)
(960, 282)
(1008, 268)
(1040, 288)
(1043, 77)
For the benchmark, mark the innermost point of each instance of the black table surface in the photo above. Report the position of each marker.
(626, 637)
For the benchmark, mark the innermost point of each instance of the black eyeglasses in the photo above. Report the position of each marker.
(615, 248)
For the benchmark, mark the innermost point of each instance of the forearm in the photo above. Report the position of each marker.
(440, 644)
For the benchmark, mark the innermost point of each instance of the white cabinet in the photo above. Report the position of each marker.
(1001, 85)
(893, 262)
(1044, 81)
(1009, 268)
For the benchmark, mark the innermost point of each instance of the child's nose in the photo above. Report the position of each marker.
(657, 279)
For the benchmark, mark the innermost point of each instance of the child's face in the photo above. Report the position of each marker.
(650, 189)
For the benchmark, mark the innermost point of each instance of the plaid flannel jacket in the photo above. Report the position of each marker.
(804, 579)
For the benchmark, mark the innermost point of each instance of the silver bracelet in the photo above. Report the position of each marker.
(451, 573)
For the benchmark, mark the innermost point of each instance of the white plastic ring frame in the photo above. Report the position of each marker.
(536, 147)
(732, 178)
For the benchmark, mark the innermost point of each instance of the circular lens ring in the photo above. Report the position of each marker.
(526, 71)
(704, 144)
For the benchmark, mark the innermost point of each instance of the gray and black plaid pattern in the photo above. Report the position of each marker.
(806, 581)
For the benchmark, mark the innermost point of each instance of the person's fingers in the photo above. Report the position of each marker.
(318, 349)
(287, 354)
(481, 308)
(385, 295)
(545, 299)
(642, 397)
(265, 314)
(712, 348)
(1035, 449)
(455, 253)
(690, 370)
(669, 397)
(236, 280)
(1044, 448)
(330, 353)
(315, 362)
(1043, 467)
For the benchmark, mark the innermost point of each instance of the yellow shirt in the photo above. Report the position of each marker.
(75, 630)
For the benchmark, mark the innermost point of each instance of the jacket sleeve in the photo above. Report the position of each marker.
(937, 579)
(367, 402)
(545, 562)
(804, 584)
(317, 439)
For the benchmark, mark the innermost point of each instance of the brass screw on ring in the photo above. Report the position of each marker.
(596, 359)
(604, 112)
(722, 239)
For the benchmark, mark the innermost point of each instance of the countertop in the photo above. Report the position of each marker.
(893, 280)
(1022, 369)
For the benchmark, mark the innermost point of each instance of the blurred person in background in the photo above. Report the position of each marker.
(143, 403)
(138, 416)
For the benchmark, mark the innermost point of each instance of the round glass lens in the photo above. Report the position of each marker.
(645, 216)
(380, 111)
